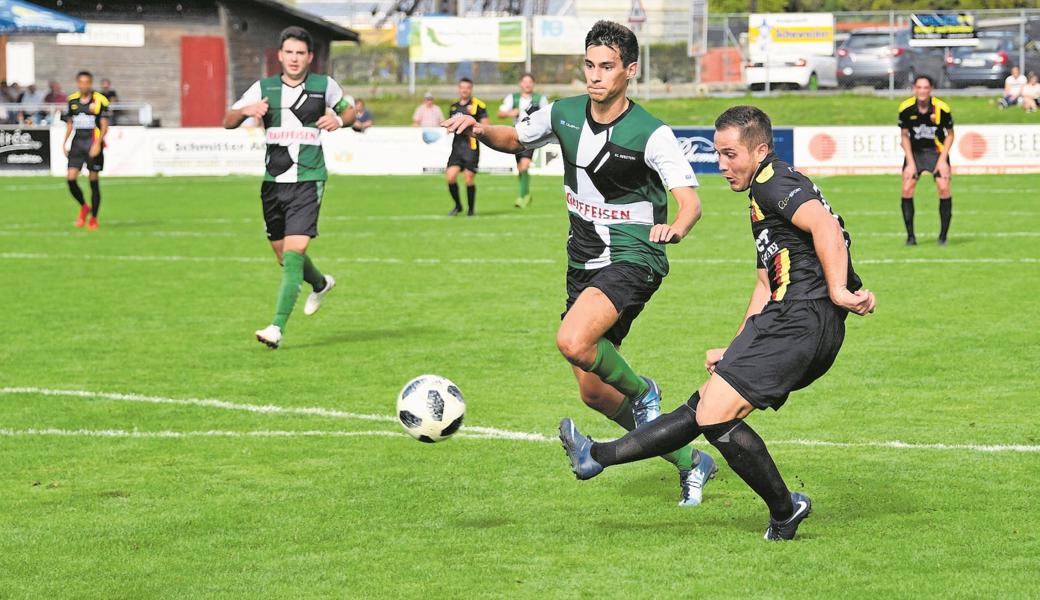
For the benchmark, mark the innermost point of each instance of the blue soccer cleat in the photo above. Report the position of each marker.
(579, 450)
(785, 530)
(692, 482)
(648, 407)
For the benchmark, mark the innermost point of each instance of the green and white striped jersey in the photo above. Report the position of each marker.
(293, 139)
(526, 105)
(616, 179)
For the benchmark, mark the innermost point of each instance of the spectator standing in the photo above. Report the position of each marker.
(1013, 88)
(113, 96)
(364, 116)
(427, 114)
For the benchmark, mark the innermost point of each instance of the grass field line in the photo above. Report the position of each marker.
(468, 261)
(472, 432)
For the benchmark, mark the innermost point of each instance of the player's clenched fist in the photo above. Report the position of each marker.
(256, 111)
(712, 358)
(861, 302)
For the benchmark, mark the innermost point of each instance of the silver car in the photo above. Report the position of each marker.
(870, 55)
(990, 62)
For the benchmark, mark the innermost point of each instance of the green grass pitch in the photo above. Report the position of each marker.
(162, 303)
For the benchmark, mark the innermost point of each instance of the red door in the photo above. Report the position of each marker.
(203, 81)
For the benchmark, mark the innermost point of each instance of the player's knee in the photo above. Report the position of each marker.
(573, 347)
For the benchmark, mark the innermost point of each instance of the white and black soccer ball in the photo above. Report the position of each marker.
(430, 408)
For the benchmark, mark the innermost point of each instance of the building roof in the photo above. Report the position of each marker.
(336, 32)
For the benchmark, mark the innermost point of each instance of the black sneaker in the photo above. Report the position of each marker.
(911, 241)
(785, 530)
(455, 211)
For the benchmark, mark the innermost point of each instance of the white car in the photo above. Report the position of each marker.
(799, 72)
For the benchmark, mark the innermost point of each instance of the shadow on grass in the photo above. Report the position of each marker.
(362, 335)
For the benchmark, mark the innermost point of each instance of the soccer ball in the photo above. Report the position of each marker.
(430, 408)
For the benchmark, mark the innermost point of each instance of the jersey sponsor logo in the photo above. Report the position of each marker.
(287, 136)
(925, 132)
(698, 149)
(766, 248)
(606, 214)
(84, 121)
(564, 123)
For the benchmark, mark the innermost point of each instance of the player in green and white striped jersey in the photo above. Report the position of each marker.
(294, 107)
(619, 165)
(516, 106)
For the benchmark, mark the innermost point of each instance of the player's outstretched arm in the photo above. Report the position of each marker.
(689, 213)
(829, 243)
(497, 137)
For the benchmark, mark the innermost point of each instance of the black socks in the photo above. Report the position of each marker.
(453, 189)
(471, 197)
(77, 193)
(665, 434)
(945, 214)
(747, 455)
(95, 197)
(908, 216)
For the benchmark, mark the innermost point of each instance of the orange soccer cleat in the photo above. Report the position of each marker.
(84, 210)
(93, 224)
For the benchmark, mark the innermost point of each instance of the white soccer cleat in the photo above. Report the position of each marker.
(315, 299)
(270, 336)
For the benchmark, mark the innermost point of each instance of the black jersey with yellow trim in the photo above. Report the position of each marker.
(928, 130)
(475, 108)
(85, 114)
(785, 251)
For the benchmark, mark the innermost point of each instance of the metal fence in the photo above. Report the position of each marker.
(871, 52)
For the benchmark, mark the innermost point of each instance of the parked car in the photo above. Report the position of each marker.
(869, 55)
(990, 62)
(798, 72)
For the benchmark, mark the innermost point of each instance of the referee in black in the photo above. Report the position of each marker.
(927, 136)
(791, 333)
(465, 152)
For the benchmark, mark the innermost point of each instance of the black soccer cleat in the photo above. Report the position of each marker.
(455, 211)
(942, 241)
(911, 241)
(785, 530)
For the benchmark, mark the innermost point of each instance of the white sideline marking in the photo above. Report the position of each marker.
(261, 409)
(471, 261)
(471, 432)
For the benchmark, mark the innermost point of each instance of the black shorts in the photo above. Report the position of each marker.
(291, 208)
(926, 162)
(79, 156)
(784, 348)
(528, 154)
(628, 286)
(467, 158)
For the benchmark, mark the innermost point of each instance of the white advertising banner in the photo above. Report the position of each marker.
(449, 39)
(400, 151)
(105, 34)
(559, 35)
(786, 34)
(867, 150)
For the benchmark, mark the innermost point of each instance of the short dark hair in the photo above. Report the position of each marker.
(84, 74)
(930, 81)
(754, 124)
(616, 36)
(465, 80)
(528, 74)
(297, 33)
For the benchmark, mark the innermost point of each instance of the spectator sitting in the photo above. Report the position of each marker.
(32, 100)
(1013, 88)
(113, 97)
(363, 119)
(427, 114)
(5, 98)
(1030, 93)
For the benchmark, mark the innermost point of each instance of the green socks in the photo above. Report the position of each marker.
(681, 458)
(615, 370)
(312, 275)
(292, 277)
(525, 184)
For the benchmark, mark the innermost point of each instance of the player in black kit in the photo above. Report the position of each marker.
(86, 123)
(465, 152)
(789, 337)
(927, 136)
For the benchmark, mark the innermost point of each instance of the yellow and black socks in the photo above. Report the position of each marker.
(945, 214)
(312, 275)
(77, 193)
(95, 197)
(908, 216)
(453, 189)
(747, 455)
(615, 370)
(292, 277)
